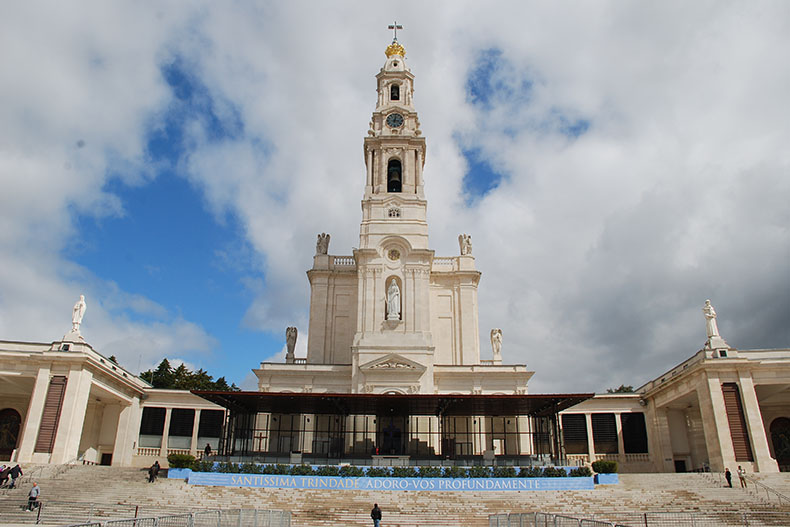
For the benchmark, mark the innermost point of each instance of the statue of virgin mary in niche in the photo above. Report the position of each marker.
(393, 301)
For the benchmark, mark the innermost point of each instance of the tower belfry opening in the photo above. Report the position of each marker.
(394, 179)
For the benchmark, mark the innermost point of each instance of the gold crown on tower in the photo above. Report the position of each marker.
(395, 49)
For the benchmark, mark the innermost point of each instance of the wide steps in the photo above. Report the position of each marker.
(119, 490)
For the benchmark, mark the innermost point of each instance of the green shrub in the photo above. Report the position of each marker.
(604, 467)
(327, 470)
(250, 468)
(378, 472)
(276, 469)
(455, 472)
(180, 460)
(203, 466)
(504, 472)
(530, 472)
(303, 470)
(580, 472)
(350, 471)
(430, 472)
(228, 468)
(478, 471)
(554, 472)
(404, 472)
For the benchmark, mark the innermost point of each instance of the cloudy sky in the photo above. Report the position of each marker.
(616, 164)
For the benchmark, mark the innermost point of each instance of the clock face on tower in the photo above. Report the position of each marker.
(394, 120)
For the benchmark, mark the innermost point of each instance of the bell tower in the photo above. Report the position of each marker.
(393, 259)
(394, 201)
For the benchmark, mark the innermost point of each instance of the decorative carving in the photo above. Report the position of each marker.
(290, 342)
(414, 388)
(496, 344)
(393, 301)
(392, 364)
(394, 212)
(322, 244)
(77, 312)
(710, 320)
(393, 255)
(465, 241)
(368, 388)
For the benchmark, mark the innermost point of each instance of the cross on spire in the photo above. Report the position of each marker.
(395, 27)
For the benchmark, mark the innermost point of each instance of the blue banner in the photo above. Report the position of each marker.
(403, 484)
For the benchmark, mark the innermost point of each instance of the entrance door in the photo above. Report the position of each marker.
(390, 436)
(9, 432)
(106, 459)
(680, 465)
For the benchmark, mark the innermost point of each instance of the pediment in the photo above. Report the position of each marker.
(393, 362)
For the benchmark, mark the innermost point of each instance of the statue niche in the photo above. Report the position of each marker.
(394, 176)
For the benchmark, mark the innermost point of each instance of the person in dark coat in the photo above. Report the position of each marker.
(153, 472)
(4, 475)
(207, 451)
(15, 473)
(728, 477)
(375, 514)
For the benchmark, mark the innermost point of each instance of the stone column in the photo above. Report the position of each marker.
(714, 423)
(620, 440)
(72, 415)
(193, 446)
(165, 433)
(590, 438)
(32, 422)
(661, 446)
(763, 462)
(127, 434)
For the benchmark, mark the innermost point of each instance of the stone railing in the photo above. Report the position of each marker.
(300, 361)
(147, 451)
(343, 261)
(444, 263)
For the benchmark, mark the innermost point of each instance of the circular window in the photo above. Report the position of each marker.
(393, 254)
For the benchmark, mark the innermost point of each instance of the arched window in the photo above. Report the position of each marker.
(394, 176)
(10, 420)
(395, 92)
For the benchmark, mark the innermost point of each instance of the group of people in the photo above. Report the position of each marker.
(741, 476)
(9, 475)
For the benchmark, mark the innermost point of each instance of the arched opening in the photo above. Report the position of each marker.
(395, 92)
(10, 421)
(394, 176)
(780, 439)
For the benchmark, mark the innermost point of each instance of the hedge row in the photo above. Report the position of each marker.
(187, 461)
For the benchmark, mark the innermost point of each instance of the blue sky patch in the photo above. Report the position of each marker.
(480, 178)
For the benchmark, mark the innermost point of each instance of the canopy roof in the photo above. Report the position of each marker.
(395, 404)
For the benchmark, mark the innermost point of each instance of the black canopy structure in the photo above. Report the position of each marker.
(419, 426)
(538, 405)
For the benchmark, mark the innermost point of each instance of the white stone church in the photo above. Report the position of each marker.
(393, 373)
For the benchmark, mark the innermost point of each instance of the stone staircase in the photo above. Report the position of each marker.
(120, 492)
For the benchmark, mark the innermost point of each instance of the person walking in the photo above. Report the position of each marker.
(375, 514)
(15, 473)
(728, 477)
(742, 476)
(32, 498)
(153, 472)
